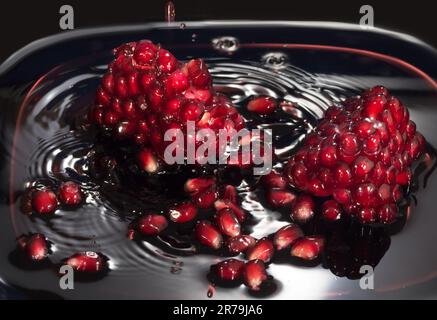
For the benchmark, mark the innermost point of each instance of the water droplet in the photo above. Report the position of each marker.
(182, 26)
(211, 291)
(275, 60)
(193, 37)
(226, 45)
(170, 12)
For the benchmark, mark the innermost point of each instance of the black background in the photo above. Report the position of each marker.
(24, 21)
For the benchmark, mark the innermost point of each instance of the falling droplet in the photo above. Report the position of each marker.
(170, 12)
(193, 37)
(211, 291)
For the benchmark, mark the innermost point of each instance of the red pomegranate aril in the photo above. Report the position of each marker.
(228, 223)
(403, 178)
(230, 269)
(385, 193)
(331, 210)
(88, 262)
(205, 199)
(387, 213)
(365, 194)
(286, 236)
(177, 81)
(223, 204)
(262, 105)
(230, 194)
(297, 175)
(35, 246)
(349, 144)
(183, 212)
(328, 156)
(274, 180)
(148, 161)
(302, 209)
(279, 198)
(145, 53)
(196, 185)
(152, 224)
(254, 274)
(262, 250)
(374, 105)
(362, 166)
(342, 196)
(307, 248)
(70, 193)
(166, 61)
(342, 175)
(44, 202)
(366, 215)
(108, 83)
(240, 243)
(208, 235)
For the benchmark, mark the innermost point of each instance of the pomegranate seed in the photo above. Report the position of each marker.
(274, 180)
(166, 61)
(226, 204)
(152, 224)
(331, 210)
(374, 105)
(307, 248)
(286, 236)
(230, 194)
(302, 210)
(148, 161)
(196, 185)
(362, 166)
(183, 212)
(205, 199)
(254, 274)
(387, 213)
(262, 105)
(366, 215)
(342, 196)
(88, 262)
(44, 202)
(279, 198)
(35, 246)
(70, 193)
(240, 243)
(228, 222)
(230, 269)
(262, 250)
(208, 235)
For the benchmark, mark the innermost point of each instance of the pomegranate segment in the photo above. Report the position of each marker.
(360, 154)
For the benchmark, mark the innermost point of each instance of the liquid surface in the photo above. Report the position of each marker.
(53, 144)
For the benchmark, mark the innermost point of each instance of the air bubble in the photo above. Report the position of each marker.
(226, 45)
(275, 60)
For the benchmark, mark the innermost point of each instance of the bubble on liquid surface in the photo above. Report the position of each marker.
(275, 60)
(226, 45)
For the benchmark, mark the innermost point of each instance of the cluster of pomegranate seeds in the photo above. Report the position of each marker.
(147, 91)
(46, 201)
(360, 156)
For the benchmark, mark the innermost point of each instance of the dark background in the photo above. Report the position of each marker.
(24, 21)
